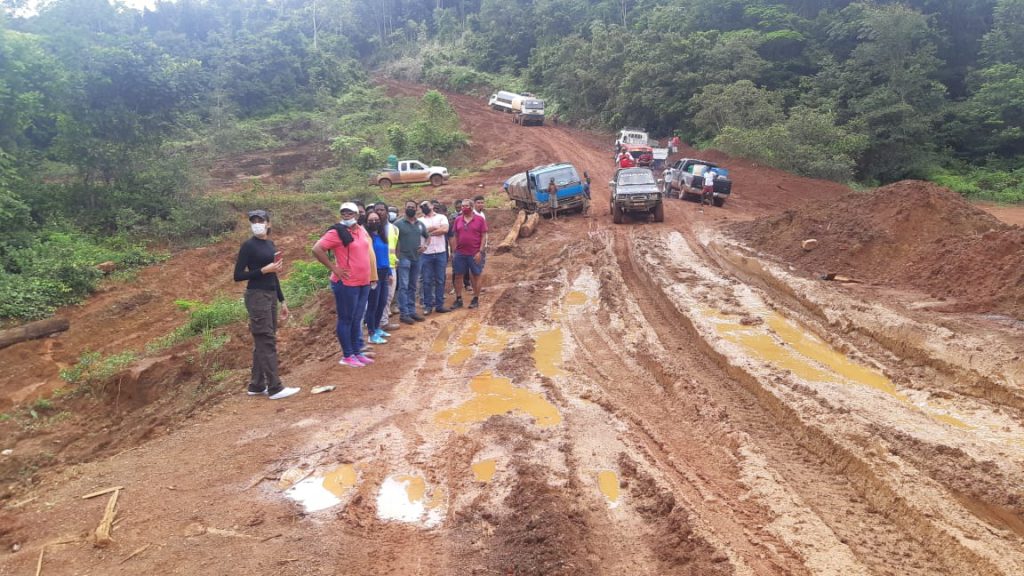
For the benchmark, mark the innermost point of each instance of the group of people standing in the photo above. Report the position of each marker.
(375, 256)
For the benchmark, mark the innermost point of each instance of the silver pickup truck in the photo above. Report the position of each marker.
(681, 182)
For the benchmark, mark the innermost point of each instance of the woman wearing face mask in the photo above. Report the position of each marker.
(379, 295)
(259, 263)
(353, 275)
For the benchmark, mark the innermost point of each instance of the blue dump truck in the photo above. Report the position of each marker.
(529, 190)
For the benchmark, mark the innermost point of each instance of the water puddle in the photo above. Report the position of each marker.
(494, 339)
(484, 470)
(403, 498)
(440, 343)
(576, 298)
(495, 395)
(469, 336)
(608, 483)
(547, 352)
(459, 357)
(322, 492)
(788, 347)
(486, 338)
(340, 480)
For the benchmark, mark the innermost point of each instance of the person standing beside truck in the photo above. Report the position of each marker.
(708, 192)
(259, 263)
(553, 197)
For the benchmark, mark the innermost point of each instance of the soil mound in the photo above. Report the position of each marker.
(911, 234)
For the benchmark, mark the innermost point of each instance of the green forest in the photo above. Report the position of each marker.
(109, 116)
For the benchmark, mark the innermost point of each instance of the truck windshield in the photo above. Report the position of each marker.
(534, 104)
(563, 177)
(635, 178)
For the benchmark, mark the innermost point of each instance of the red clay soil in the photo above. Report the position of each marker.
(909, 234)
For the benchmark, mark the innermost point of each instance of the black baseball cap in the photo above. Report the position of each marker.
(258, 214)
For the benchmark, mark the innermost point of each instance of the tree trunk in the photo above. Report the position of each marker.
(510, 240)
(530, 225)
(32, 330)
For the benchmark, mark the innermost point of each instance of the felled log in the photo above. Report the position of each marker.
(103, 538)
(510, 239)
(530, 226)
(32, 330)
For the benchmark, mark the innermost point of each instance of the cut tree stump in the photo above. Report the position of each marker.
(510, 239)
(32, 330)
(530, 226)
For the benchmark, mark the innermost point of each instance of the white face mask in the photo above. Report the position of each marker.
(259, 228)
(348, 223)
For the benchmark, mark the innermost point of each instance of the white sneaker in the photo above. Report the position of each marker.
(284, 393)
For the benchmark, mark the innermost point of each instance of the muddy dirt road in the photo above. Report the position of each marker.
(642, 399)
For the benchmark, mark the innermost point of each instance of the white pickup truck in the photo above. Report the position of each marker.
(410, 172)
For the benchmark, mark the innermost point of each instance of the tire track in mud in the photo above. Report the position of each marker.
(884, 532)
(655, 399)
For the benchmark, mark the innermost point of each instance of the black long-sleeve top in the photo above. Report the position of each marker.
(253, 256)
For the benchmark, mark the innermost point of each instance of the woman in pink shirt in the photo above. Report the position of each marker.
(353, 273)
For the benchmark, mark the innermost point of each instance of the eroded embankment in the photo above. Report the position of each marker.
(908, 234)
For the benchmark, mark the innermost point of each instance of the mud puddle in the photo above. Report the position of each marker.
(322, 492)
(777, 340)
(608, 484)
(495, 395)
(404, 498)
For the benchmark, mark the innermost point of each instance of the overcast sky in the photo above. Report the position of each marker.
(31, 6)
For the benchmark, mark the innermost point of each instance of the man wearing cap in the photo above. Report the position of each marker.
(259, 263)
(353, 273)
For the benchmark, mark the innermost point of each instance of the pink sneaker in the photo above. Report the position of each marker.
(351, 361)
(365, 361)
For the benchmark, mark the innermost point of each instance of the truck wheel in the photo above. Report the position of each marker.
(384, 183)
(719, 202)
(659, 212)
(436, 180)
(616, 214)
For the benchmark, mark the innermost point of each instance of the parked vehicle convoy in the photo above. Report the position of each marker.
(529, 190)
(635, 190)
(685, 179)
(410, 172)
(636, 141)
(527, 110)
(502, 100)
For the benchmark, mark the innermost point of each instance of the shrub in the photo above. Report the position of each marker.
(368, 158)
(305, 279)
(92, 368)
(983, 183)
(59, 268)
(808, 143)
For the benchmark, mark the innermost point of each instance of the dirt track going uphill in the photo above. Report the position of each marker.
(652, 399)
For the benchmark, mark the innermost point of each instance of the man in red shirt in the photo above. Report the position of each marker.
(469, 244)
(626, 160)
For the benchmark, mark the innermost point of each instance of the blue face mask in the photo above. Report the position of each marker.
(348, 223)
